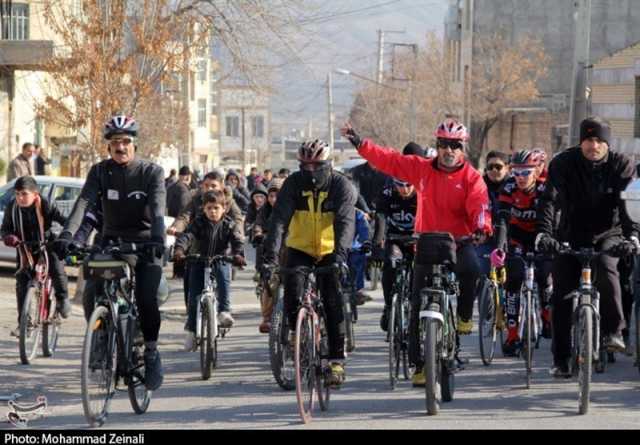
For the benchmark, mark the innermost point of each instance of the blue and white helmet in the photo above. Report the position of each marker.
(120, 124)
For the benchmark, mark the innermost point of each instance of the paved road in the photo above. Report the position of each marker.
(242, 393)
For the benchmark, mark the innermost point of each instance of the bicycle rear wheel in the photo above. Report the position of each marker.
(99, 364)
(29, 326)
(348, 322)
(139, 395)
(637, 315)
(432, 365)
(207, 342)
(304, 364)
(50, 330)
(323, 389)
(395, 346)
(407, 369)
(487, 322)
(280, 351)
(584, 356)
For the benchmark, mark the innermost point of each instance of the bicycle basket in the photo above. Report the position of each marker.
(436, 248)
(106, 267)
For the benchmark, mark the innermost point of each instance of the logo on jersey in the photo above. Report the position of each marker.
(137, 194)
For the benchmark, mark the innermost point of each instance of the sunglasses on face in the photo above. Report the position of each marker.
(124, 141)
(496, 167)
(454, 145)
(522, 173)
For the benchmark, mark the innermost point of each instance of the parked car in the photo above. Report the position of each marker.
(59, 189)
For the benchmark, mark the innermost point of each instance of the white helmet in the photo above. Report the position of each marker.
(314, 151)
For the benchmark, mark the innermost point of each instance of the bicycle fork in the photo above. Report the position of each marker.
(588, 296)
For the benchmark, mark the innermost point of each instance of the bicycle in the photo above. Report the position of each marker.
(112, 349)
(350, 309)
(39, 315)
(437, 321)
(491, 312)
(398, 329)
(207, 329)
(311, 349)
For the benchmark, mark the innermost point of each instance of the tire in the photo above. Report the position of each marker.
(348, 322)
(585, 356)
(528, 341)
(408, 370)
(206, 338)
(603, 359)
(98, 372)
(280, 356)
(304, 358)
(432, 365)
(29, 327)
(637, 315)
(395, 346)
(50, 330)
(487, 331)
(322, 389)
(448, 383)
(139, 395)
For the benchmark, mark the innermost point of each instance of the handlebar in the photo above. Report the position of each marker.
(404, 239)
(196, 258)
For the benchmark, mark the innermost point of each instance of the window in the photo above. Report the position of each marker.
(636, 130)
(233, 126)
(202, 70)
(65, 196)
(202, 113)
(257, 126)
(15, 22)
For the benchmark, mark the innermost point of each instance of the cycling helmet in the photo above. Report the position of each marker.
(120, 124)
(541, 155)
(314, 151)
(452, 129)
(400, 183)
(525, 158)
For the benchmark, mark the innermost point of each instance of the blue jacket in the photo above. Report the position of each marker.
(362, 231)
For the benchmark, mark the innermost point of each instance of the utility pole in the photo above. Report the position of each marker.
(380, 71)
(413, 113)
(244, 141)
(330, 112)
(581, 56)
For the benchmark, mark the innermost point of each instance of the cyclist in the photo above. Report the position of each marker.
(584, 183)
(396, 216)
(452, 197)
(516, 232)
(28, 218)
(133, 197)
(210, 234)
(317, 208)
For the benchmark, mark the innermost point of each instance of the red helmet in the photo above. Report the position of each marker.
(452, 129)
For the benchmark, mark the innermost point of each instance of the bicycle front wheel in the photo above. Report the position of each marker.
(528, 333)
(207, 342)
(637, 315)
(304, 353)
(348, 322)
(280, 351)
(584, 356)
(99, 365)
(50, 330)
(395, 347)
(139, 395)
(432, 365)
(487, 322)
(29, 326)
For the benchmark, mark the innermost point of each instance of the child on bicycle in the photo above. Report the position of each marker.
(210, 234)
(517, 222)
(358, 255)
(28, 219)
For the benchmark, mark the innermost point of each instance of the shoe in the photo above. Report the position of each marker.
(189, 341)
(265, 326)
(464, 326)
(615, 343)
(225, 320)
(337, 376)
(560, 371)
(362, 298)
(419, 380)
(16, 332)
(153, 375)
(384, 320)
(63, 307)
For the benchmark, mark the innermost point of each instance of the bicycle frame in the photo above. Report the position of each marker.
(437, 303)
(525, 305)
(208, 292)
(586, 295)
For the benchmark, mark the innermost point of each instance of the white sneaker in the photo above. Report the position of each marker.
(189, 341)
(225, 320)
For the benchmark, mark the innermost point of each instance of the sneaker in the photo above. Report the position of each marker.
(615, 343)
(225, 320)
(265, 326)
(16, 332)
(337, 376)
(189, 341)
(153, 375)
(63, 307)
(362, 298)
(560, 371)
(419, 380)
(384, 320)
(464, 326)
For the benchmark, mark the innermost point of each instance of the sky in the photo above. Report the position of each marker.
(346, 38)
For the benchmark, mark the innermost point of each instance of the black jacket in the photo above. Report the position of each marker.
(395, 215)
(369, 183)
(133, 199)
(252, 213)
(209, 239)
(178, 197)
(194, 209)
(588, 197)
(30, 230)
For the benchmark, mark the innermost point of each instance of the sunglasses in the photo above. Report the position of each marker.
(522, 173)
(123, 141)
(454, 145)
(496, 167)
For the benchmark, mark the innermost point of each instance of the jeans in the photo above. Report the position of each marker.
(196, 286)
(357, 261)
(482, 250)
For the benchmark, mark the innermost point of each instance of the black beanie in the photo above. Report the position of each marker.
(413, 149)
(595, 127)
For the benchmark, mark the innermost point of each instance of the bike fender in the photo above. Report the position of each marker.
(432, 314)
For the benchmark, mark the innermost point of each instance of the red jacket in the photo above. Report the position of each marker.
(457, 202)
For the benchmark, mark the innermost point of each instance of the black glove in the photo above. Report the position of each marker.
(366, 247)
(547, 244)
(623, 249)
(61, 245)
(354, 138)
(378, 254)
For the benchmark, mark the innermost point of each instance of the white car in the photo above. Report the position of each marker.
(59, 189)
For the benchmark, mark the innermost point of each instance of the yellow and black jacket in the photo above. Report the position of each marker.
(317, 222)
